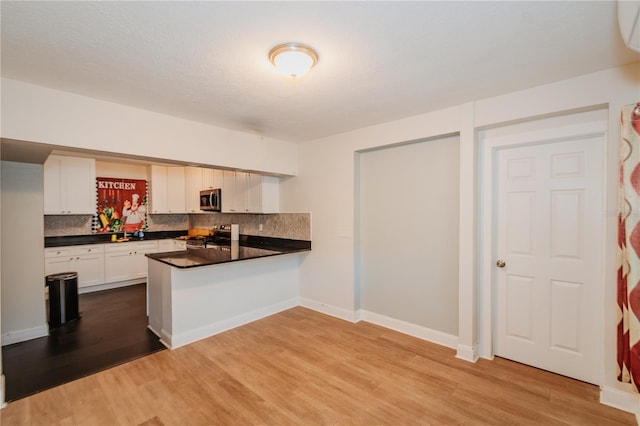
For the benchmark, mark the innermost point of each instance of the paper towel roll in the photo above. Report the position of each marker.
(235, 232)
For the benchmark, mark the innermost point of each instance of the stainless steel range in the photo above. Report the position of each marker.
(221, 237)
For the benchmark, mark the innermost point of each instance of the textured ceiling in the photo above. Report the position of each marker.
(378, 61)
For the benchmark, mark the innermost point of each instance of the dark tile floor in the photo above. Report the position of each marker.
(112, 330)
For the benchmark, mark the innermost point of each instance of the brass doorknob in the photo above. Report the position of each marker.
(501, 263)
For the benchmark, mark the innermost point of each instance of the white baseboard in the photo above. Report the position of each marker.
(24, 335)
(424, 333)
(174, 341)
(621, 399)
(467, 353)
(109, 286)
(2, 393)
(333, 311)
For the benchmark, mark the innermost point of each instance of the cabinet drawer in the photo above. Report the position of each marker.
(58, 252)
(90, 249)
(130, 246)
(73, 250)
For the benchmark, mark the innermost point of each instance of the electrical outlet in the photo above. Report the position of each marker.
(260, 227)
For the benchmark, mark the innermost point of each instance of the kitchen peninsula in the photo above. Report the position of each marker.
(196, 293)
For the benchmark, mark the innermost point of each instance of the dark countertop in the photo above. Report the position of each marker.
(249, 247)
(76, 240)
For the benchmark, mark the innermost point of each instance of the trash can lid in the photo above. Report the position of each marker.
(62, 276)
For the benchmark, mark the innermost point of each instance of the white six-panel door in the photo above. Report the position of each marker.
(548, 211)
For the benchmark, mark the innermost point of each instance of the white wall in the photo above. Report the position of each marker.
(38, 114)
(408, 233)
(325, 187)
(23, 301)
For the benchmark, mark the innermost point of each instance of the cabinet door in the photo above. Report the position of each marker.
(79, 185)
(234, 192)
(254, 193)
(90, 269)
(139, 264)
(57, 265)
(229, 192)
(270, 194)
(242, 192)
(176, 199)
(53, 185)
(165, 246)
(263, 194)
(158, 188)
(208, 179)
(69, 185)
(171, 245)
(193, 177)
(218, 178)
(118, 266)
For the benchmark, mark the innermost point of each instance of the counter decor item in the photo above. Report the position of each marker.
(121, 205)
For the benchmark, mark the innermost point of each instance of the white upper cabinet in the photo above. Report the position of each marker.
(263, 194)
(196, 180)
(250, 193)
(230, 193)
(212, 178)
(192, 187)
(167, 189)
(69, 185)
(175, 190)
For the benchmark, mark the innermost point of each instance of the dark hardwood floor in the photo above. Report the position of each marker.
(112, 330)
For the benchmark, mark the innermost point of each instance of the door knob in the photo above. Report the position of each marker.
(501, 263)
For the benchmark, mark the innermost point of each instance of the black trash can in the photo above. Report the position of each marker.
(63, 298)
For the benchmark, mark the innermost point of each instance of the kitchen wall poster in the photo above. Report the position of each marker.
(121, 205)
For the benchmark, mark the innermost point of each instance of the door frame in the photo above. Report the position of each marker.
(487, 160)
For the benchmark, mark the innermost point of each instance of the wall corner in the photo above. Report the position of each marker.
(621, 399)
(467, 353)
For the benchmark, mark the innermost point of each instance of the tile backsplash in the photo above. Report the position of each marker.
(61, 225)
(295, 226)
(167, 222)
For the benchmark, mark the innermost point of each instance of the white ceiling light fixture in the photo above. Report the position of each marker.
(293, 59)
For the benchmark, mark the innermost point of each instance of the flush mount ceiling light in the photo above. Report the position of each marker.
(293, 59)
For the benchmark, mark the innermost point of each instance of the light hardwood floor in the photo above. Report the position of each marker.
(301, 367)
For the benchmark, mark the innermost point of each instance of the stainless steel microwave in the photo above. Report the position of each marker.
(211, 200)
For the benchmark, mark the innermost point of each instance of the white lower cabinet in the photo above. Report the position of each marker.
(98, 264)
(171, 245)
(86, 260)
(127, 261)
